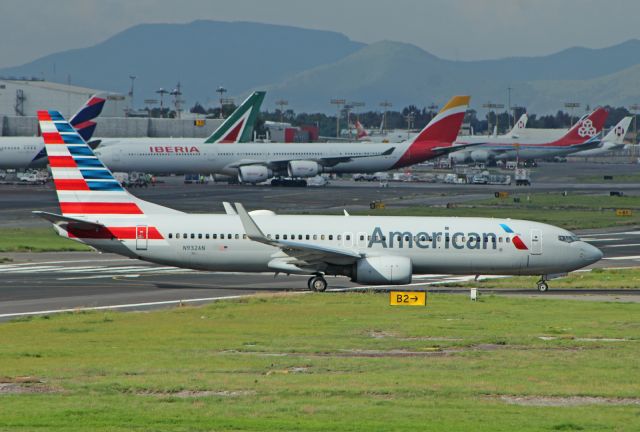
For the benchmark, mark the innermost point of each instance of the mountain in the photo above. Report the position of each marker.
(310, 67)
(202, 55)
(406, 74)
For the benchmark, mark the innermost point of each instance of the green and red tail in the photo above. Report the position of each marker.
(238, 127)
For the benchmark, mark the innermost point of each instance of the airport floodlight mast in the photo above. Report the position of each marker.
(492, 106)
(385, 107)
(571, 106)
(221, 90)
(177, 102)
(410, 117)
(161, 91)
(282, 103)
(132, 78)
(509, 106)
(338, 103)
(634, 108)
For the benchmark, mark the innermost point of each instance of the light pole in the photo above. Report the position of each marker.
(509, 106)
(221, 90)
(385, 107)
(282, 103)
(338, 103)
(635, 108)
(410, 117)
(571, 106)
(161, 91)
(176, 93)
(132, 78)
(492, 106)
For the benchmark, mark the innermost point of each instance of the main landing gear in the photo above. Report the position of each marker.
(542, 285)
(279, 181)
(317, 283)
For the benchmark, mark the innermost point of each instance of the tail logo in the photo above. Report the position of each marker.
(516, 240)
(619, 131)
(521, 124)
(587, 129)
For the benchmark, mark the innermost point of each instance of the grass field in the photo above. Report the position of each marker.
(328, 362)
(594, 279)
(571, 212)
(36, 240)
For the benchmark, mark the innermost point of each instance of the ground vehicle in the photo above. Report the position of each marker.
(522, 177)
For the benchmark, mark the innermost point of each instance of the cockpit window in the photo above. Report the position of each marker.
(568, 238)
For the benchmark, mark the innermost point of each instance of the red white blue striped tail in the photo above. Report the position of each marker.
(85, 187)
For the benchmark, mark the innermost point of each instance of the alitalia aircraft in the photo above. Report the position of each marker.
(582, 136)
(254, 163)
(374, 250)
(28, 152)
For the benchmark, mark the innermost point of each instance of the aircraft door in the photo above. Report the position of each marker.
(536, 242)
(141, 237)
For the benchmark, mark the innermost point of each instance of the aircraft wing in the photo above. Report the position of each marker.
(450, 149)
(324, 161)
(299, 254)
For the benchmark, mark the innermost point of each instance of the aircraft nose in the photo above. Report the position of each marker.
(590, 254)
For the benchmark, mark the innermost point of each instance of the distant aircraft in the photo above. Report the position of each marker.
(582, 136)
(372, 250)
(28, 152)
(613, 140)
(255, 163)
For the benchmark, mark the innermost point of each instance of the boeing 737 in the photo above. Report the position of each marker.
(373, 250)
(254, 163)
(582, 136)
(28, 152)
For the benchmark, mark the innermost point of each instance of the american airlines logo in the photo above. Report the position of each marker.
(587, 129)
(173, 149)
(441, 239)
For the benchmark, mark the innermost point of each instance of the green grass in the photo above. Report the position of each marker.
(595, 279)
(291, 362)
(36, 240)
(572, 212)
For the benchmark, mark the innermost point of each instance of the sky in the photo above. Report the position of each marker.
(452, 29)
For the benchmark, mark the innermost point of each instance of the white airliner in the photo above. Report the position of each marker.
(254, 163)
(613, 140)
(372, 250)
(28, 152)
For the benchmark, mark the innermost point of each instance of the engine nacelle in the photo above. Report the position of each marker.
(459, 157)
(383, 270)
(480, 156)
(253, 173)
(303, 169)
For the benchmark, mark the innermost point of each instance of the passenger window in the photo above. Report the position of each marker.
(362, 238)
(277, 236)
(284, 236)
(193, 235)
(322, 237)
(207, 236)
(299, 236)
(500, 240)
(339, 237)
(178, 235)
(315, 236)
(269, 236)
(185, 235)
(307, 237)
(215, 236)
(237, 236)
(170, 235)
(199, 236)
(330, 236)
(244, 236)
(347, 237)
(228, 236)
(508, 239)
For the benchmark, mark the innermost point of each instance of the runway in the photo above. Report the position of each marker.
(47, 282)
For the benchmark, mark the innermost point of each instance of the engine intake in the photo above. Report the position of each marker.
(383, 270)
(253, 174)
(303, 169)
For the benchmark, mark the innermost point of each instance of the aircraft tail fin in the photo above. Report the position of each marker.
(361, 131)
(519, 126)
(618, 132)
(85, 187)
(444, 127)
(238, 127)
(585, 129)
(82, 121)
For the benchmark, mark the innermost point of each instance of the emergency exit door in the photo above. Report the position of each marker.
(141, 237)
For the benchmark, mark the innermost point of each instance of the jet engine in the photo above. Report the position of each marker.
(382, 270)
(253, 174)
(480, 156)
(459, 157)
(303, 169)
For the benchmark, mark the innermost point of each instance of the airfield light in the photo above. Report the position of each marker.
(282, 103)
(161, 91)
(221, 90)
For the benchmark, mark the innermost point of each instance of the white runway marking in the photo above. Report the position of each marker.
(621, 245)
(632, 257)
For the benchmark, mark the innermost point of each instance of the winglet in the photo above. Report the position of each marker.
(250, 227)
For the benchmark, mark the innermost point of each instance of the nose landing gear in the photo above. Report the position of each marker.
(317, 283)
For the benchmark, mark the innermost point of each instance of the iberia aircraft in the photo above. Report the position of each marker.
(254, 163)
(374, 250)
(28, 152)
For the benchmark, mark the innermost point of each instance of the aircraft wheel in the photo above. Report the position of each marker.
(309, 283)
(318, 283)
(543, 286)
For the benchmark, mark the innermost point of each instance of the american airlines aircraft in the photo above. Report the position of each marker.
(28, 152)
(254, 163)
(582, 136)
(373, 250)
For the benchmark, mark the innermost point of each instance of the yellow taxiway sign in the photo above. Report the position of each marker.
(407, 298)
